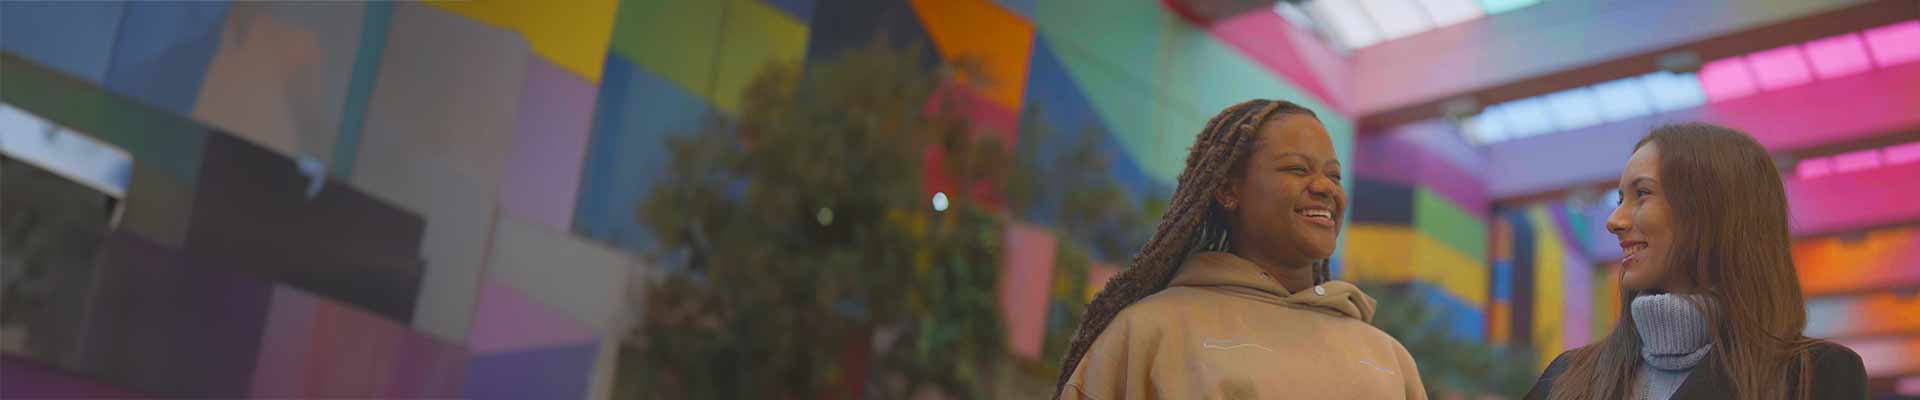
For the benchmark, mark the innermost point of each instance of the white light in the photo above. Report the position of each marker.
(1349, 23)
(940, 201)
(1299, 18)
(1396, 18)
(1574, 108)
(1489, 126)
(1449, 12)
(93, 163)
(1527, 117)
(1623, 99)
(1674, 91)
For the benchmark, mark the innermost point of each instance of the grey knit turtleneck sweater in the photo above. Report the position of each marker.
(1674, 337)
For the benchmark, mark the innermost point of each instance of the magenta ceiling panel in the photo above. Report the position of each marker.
(1780, 67)
(1838, 56)
(1727, 79)
(1894, 44)
(1818, 113)
(1842, 201)
(1550, 37)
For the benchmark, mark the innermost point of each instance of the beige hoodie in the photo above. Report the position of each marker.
(1224, 330)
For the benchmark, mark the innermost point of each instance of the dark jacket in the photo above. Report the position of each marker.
(1837, 374)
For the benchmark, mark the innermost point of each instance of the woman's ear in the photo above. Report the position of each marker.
(1228, 196)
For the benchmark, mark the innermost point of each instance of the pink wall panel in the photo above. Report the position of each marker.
(1097, 277)
(317, 347)
(1267, 38)
(1025, 276)
(507, 321)
(1887, 356)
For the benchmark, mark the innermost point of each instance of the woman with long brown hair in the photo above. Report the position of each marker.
(1231, 297)
(1712, 306)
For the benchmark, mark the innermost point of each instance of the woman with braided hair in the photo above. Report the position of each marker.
(1231, 297)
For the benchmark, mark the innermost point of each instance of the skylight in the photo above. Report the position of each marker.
(1719, 80)
(1356, 24)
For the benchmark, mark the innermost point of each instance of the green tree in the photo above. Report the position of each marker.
(1450, 364)
(808, 244)
(1068, 180)
(47, 223)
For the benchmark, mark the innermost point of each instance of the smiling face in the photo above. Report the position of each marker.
(1644, 225)
(1286, 202)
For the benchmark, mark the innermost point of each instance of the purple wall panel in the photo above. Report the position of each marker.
(285, 344)
(1428, 155)
(506, 321)
(23, 379)
(164, 327)
(551, 373)
(549, 145)
(1577, 321)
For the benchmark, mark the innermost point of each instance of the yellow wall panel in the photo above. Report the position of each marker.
(1606, 299)
(1461, 276)
(756, 35)
(1548, 284)
(573, 36)
(1379, 253)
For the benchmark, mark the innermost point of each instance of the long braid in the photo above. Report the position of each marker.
(1215, 158)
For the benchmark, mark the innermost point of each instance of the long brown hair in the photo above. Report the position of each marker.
(1193, 221)
(1730, 214)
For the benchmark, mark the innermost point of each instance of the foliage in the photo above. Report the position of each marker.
(810, 254)
(1450, 364)
(1067, 180)
(47, 222)
(1076, 190)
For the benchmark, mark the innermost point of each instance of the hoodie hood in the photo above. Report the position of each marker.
(1233, 275)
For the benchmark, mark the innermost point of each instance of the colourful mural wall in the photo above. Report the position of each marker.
(1419, 218)
(1858, 286)
(1863, 290)
(465, 174)
(1550, 295)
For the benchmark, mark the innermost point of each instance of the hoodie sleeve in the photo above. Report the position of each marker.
(1118, 365)
(1410, 373)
